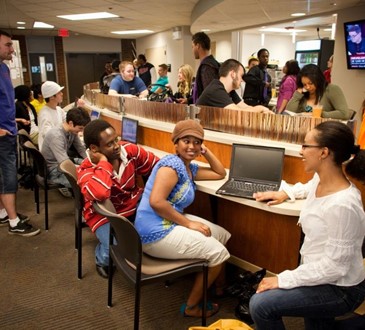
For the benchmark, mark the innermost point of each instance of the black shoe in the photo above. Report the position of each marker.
(103, 271)
(242, 312)
(5, 221)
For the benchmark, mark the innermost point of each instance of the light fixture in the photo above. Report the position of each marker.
(132, 32)
(297, 14)
(205, 30)
(80, 17)
(21, 28)
(20, 23)
(41, 25)
(281, 30)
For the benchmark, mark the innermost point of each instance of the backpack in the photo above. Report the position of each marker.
(27, 177)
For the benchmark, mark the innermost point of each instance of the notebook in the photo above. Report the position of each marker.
(129, 130)
(253, 168)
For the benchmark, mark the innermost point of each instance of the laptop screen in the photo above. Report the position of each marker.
(256, 162)
(129, 130)
(94, 114)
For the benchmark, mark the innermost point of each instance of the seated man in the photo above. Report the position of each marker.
(162, 81)
(59, 140)
(51, 115)
(126, 83)
(221, 93)
(110, 171)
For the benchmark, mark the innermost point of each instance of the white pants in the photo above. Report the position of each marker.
(184, 243)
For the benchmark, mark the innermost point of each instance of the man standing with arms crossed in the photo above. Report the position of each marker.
(18, 224)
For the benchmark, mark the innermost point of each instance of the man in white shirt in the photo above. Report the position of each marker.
(51, 115)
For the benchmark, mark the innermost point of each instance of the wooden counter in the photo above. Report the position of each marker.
(261, 235)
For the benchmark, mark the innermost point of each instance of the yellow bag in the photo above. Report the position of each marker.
(225, 324)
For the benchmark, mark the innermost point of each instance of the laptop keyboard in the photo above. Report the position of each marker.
(249, 187)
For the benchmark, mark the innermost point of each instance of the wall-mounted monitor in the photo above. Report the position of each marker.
(129, 130)
(355, 44)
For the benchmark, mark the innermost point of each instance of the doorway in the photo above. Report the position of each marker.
(83, 69)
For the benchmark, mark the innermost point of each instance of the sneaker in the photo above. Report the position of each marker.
(23, 229)
(65, 192)
(5, 221)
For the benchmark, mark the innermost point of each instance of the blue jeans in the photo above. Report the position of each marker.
(8, 173)
(58, 177)
(102, 249)
(319, 305)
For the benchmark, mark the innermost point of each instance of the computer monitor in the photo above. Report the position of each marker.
(129, 130)
(94, 114)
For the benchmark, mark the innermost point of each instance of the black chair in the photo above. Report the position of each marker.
(138, 267)
(40, 178)
(23, 137)
(69, 169)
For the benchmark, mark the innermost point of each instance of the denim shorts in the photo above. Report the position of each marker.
(8, 172)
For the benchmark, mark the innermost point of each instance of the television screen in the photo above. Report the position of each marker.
(355, 44)
(129, 130)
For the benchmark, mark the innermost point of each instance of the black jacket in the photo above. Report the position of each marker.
(254, 89)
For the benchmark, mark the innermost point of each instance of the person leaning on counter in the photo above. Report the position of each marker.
(313, 89)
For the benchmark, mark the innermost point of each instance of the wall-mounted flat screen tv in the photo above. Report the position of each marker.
(355, 44)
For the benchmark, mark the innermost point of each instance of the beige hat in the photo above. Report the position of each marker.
(50, 88)
(187, 127)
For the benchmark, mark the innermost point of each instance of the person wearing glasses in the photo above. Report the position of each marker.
(329, 281)
(355, 42)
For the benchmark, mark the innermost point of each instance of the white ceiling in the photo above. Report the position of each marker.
(162, 15)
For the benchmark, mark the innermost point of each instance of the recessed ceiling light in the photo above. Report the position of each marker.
(20, 22)
(80, 17)
(132, 32)
(205, 30)
(297, 14)
(21, 27)
(42, 25)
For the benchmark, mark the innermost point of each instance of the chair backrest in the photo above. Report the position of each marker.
(68, 168)
(129, 245)
(23, 137)
(39, 162)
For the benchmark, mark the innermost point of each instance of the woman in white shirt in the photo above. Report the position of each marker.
(329, 282)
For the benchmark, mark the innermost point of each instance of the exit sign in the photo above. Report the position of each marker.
(63, 33)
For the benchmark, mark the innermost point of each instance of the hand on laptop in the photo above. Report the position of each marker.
(273, 197)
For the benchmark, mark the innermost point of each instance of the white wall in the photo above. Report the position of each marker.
(281, 48)
(352, 82)
(174, 51)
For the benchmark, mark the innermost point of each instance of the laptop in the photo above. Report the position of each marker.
(253, 169)
(129, 130)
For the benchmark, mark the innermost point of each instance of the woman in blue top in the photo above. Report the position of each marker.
(166, 231)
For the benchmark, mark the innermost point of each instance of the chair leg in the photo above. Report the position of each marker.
(79, 246)
(137, 302)
(205, 283)
(110, 281)
(45, 208)
(36, 197)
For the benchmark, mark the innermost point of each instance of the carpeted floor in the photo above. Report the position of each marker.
(40, 289)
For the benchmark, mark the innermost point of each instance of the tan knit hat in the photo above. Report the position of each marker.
(187, 127)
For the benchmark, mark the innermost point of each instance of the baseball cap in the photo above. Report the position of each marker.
(50, 88)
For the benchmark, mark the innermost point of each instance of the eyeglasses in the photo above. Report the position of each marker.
(310, 146)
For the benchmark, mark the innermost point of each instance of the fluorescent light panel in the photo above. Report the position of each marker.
(132, 32)
(80, 17)
(41, 25)
(281, 30)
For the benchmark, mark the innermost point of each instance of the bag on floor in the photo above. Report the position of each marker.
(225, 324)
